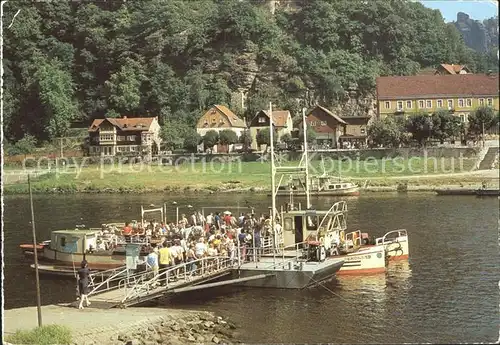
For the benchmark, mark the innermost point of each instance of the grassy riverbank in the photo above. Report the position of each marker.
(243, 176)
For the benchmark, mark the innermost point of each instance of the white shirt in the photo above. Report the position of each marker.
(210, 219)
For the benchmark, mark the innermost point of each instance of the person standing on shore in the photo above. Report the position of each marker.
(83, 284)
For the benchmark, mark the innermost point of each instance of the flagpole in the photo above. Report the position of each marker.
(38, 303)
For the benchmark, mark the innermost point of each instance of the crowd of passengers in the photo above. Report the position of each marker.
(196, 236)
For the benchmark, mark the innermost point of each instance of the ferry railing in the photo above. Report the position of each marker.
(383, 239)
(198, 268)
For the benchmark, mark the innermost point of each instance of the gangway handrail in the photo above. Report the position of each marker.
(213, 264)
(107, 281)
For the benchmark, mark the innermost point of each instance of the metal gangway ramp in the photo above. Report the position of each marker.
(118, 288)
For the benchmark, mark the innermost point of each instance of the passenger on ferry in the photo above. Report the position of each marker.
(165, 259)
(152, 261)
(210, 220)
(200, 219)
(127, 232)
(192, 219)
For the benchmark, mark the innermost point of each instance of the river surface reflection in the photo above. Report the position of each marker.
(447, 292)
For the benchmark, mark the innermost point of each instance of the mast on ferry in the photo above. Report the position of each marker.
(273, 174)
(304, 128)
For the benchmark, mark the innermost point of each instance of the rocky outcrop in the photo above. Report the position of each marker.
(356, 105)
(197, 328)
(473, 31)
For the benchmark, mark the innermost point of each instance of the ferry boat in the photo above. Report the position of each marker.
(326, 230)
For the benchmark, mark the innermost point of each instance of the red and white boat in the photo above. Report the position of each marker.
(328, 231)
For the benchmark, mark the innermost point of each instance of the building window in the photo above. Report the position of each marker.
(490, 102)
(450, 104)
(469, 103)
(323, 123)
(387, 105)
(106, 137)
(131, 138)
(262, 119)
(313, 123)
(362, 131)
(481, 102)
(428, 104)
(409, 104)
(439, 103)
(464, 117)
(421, 104)
(400, 105)
(461, 103)
(214, 120)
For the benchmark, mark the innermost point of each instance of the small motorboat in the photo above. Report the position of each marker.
(488, 192)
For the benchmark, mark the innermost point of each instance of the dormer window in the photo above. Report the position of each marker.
(262, 119)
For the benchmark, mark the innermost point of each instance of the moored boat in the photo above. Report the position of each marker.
(487, 192)
(455, 191)
(319, 185)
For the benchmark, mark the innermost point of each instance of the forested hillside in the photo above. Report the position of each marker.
(67, 61)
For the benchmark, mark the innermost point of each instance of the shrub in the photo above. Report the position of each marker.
(45, 335)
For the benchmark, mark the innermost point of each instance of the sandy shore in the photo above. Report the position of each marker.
(130, 325)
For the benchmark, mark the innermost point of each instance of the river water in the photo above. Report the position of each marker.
(447, 292)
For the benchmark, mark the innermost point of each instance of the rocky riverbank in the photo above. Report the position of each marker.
(132, 326)
(204, 328)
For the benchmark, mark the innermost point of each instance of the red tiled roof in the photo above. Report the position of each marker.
(434, 86)
(234, 120)
(125, 123)
(453, 69)
(280, 117)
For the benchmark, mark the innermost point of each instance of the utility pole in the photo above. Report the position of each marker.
(38, 302)
(482, 125)
(61, 146)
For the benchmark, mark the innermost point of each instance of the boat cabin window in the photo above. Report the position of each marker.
(63, 241)
(288, 224)
(312, 222)
(343, 186)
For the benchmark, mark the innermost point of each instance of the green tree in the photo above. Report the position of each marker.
(174, 132)
(56, 92)
(287, 139)
(124, 87)
(192, 140)
(445, 125)
(24, 146)
(228, 137)
(311, 135)
(246, 140)
(419, 125)
(263, 137)
(481, 120)
(210, 139)
(387, 132)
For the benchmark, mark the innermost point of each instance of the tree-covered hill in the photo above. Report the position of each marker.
(67, 61)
